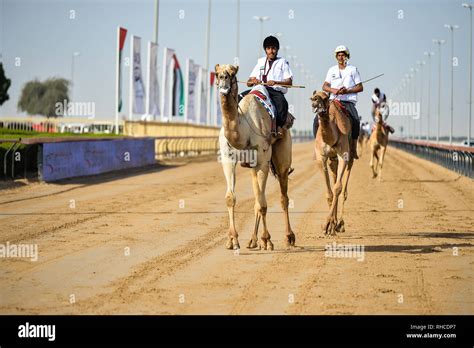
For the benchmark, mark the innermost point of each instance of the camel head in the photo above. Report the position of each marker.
(320, 103)
(225, 77)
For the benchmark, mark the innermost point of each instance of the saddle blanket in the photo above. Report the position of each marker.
(261, 93)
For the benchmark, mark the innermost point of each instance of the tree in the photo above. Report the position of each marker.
(4, 85)
(40, 98)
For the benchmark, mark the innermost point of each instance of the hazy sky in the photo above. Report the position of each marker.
(41, 33)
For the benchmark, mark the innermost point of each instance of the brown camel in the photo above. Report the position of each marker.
(378, 145)
(332, 145)
(362, 141)
(247, 130)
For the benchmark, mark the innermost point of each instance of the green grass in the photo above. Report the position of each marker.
(16, 134)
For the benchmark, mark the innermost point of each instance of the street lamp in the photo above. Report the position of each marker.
(420, 64)
(261, 19)
(429, 55)
(208, 37)
(451, 28)
(469, 6)
(75, 54)
(237, 41)
(439, 43)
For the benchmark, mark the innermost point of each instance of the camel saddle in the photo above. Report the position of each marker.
(261, 94)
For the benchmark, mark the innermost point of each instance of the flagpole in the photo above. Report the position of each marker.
(117, 73)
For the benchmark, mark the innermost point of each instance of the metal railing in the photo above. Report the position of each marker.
(166, 147)
(459, 159)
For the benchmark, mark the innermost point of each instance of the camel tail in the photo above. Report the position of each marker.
(273, 169)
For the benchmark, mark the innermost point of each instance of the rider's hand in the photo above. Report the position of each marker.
(271, 83)
(342, 90)
(252, 82)
(334, 90)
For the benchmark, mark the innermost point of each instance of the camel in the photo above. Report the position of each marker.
(362, 141)
(247, 128)
(378, 144)
(332, 145)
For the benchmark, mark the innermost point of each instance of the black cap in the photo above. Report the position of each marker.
(271, 41)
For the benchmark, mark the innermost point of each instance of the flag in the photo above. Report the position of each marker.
(166, 91)
(121, 44)
(178, 89)
(191, 93)
(137, 87)
(203, 96)
(153, 104)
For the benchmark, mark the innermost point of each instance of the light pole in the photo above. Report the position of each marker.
(407, 96)
(413, 77)
(75, 54)
(429, 54)
(439, 43)
(208, 37)
(261, 19)
(420, 64)
(237, 43)
(157, 7)
(469, 6)
(451, 28)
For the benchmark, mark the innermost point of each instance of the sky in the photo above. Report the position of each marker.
(383, 36)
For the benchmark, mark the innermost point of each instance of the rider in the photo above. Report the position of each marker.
(273, 71)
(377, 99)
(343, 82)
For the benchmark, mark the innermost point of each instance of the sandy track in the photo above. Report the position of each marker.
(126, 244)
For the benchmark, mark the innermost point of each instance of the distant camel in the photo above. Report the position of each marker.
(378, 144)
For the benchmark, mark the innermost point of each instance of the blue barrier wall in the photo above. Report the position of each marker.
(63, 160)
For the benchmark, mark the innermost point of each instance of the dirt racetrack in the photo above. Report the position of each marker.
(152, 242)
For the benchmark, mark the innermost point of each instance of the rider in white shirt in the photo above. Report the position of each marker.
(377, 99)
(273, 71)
(343, 82)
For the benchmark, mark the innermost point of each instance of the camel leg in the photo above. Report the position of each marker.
(340, 225)
(290, 236)
(372, 161)
(330, 227)
(281, 157)
(333, 163)
(382, 156)
(230, 198)
(228, 165)
(323, 164)
(259, 181)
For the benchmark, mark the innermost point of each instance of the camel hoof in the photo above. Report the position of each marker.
(340, 226)
(229, 245)
(269, 245)
(330, 228)
(290, 239)
(252, 244)
(235, 244)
